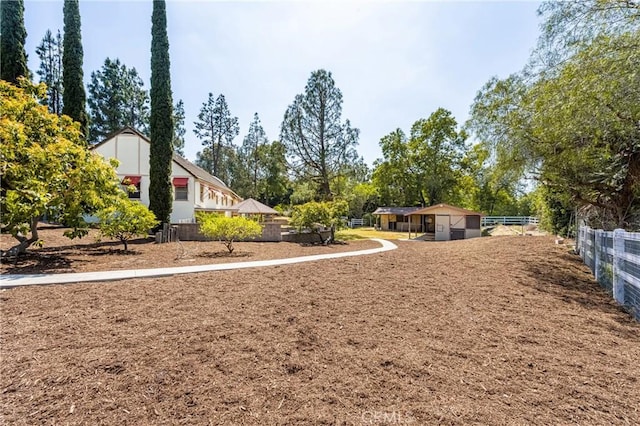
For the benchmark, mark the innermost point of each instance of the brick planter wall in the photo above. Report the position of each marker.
(305, 237)
(191, 232)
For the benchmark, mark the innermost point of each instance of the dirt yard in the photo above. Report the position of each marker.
(496, 330)
(60, 254)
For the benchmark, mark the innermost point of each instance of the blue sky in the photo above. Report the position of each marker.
(395, 62)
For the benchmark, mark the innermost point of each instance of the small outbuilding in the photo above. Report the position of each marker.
(448, 222)
(440, 222)
(394, 218)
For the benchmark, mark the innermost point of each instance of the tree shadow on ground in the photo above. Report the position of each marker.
(63, 258)
(35, 262)
(95, 245)
(224, 254)
(567, 278)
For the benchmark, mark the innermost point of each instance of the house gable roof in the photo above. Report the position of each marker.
(192, 169)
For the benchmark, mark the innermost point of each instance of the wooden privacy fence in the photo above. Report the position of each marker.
(614, 259)
(508, 220)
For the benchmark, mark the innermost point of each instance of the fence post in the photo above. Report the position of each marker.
(618, 250)
(597, 248)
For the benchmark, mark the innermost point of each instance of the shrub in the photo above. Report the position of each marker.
(327, 214)
(228, 229)
(125, 219)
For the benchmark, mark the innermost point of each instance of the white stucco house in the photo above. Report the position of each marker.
(194, 189)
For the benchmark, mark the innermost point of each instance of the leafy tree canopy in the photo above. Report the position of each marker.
(423, 169)
(570, 117)
(46, 169)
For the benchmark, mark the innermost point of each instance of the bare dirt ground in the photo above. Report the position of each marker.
(528, 230)
(60, 254)
(496, 330)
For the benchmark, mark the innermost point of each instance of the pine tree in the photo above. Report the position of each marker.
(50, 53)
(116, 99)
(319, 144)
(216, 128)
(13, 59)
(75, 97)
(178, 128)
(161, 122)
(251, 153)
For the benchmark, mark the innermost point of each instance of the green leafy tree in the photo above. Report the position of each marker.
(362, 199)
(116, 99)
(318, 143)
(216, 128)
(49, 52)
(275, 186)
(436, 149)
(569, 118)
(125, 219)
(75, 97)
(313, 215)
(486, 186)
(46, 169)
(178, 130)
(576, 129)
(423, 170)
(570, 26)
(393, 176)
(228, 229)
(161, 121)
(13, 60)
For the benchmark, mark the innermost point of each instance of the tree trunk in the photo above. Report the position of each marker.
(24, 242)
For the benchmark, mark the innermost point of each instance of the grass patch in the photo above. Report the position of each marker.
(367, 232)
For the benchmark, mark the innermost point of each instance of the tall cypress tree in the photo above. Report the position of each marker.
(161, 121)
(75, 97)
(13, 59)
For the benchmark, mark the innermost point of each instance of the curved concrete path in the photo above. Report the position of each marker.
(7, 281)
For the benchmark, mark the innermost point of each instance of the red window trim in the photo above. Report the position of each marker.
(180, 181)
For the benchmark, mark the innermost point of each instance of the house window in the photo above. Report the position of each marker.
(473, 222)
(201, 192)
(181, 189)
(134, 181)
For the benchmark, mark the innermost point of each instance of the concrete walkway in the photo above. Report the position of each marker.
(7, 281)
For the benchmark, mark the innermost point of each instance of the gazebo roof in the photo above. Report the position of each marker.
(251, 206)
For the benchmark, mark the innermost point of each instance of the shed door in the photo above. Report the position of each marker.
(442, 227)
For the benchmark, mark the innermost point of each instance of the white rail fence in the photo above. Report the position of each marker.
(614, 259)
(508, 220)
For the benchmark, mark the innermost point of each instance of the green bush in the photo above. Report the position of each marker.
(125, 219)
(228, 229)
